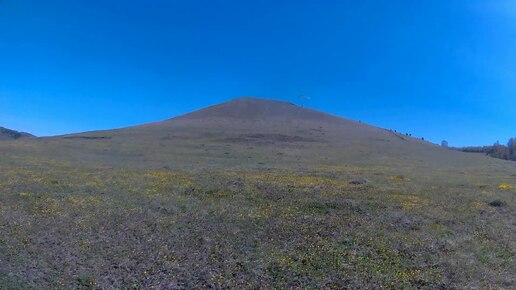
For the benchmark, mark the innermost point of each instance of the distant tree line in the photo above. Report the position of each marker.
(497, 150)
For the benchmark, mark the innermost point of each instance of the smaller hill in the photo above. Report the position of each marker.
(8, 134)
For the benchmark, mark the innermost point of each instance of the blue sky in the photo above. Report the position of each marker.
(440, 69)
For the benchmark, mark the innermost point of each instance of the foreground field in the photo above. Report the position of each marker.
(314, 227)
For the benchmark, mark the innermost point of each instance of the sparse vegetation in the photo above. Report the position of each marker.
(69, 228)
(132, 209)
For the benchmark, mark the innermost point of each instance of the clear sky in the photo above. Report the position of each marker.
(440, 69)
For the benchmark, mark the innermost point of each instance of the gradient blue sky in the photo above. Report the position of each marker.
(441, 69)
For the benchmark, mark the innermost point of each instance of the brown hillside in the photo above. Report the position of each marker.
(255, 132)
(8, 134)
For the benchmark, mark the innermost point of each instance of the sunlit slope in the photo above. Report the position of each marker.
(251, 133)
(253, 194)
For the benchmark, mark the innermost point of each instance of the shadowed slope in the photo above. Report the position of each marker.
(8, 134)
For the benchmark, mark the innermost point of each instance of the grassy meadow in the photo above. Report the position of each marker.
(311, 227)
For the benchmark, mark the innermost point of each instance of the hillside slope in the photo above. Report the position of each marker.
(253, 194)
(256, 133)
(250, 133)
(8, 134)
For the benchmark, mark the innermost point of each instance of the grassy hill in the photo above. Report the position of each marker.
(253, 194)
(8, 134)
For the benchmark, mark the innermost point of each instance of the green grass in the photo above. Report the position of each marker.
(69, 227)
